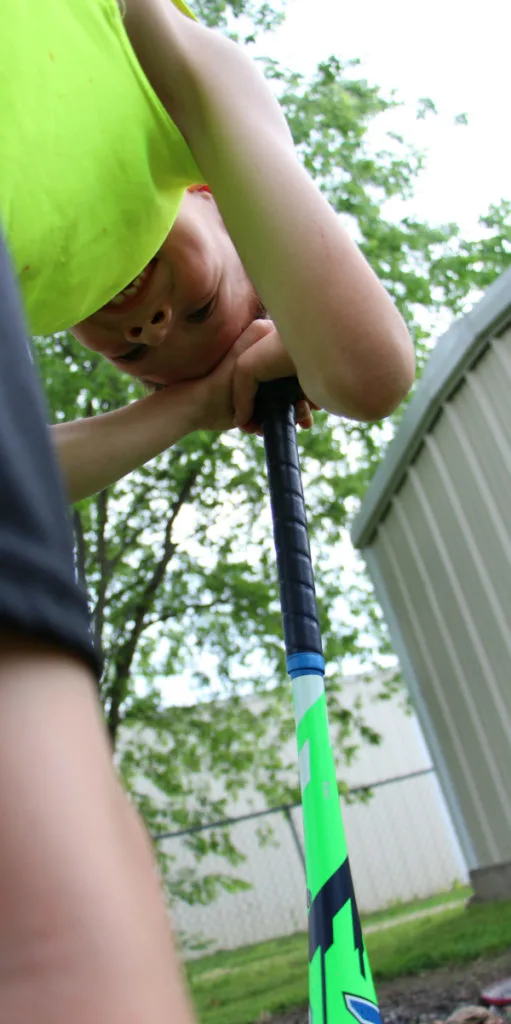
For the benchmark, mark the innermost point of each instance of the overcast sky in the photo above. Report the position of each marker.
(457, 53)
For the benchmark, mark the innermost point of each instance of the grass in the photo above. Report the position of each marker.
(236, 987)
(456, 894)
(451, 937)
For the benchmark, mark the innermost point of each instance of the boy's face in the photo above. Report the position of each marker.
(183, 314)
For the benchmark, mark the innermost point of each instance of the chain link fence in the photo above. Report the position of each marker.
(401, 843)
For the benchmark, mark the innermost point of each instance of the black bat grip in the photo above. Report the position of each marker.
(274, 410)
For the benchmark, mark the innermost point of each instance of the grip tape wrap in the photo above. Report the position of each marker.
(275, 411)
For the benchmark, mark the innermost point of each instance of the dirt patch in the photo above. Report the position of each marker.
(430, 996)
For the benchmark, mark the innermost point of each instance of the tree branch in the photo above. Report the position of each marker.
(105, 568)
(188, 608)
(80, 549)
(144, 606)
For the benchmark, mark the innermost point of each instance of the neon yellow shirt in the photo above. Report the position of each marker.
(92, 168)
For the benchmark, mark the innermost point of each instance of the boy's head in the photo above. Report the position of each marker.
(179, 318)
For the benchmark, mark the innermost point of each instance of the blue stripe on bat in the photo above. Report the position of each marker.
(305, 663)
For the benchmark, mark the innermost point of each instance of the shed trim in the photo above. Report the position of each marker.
(456, 351)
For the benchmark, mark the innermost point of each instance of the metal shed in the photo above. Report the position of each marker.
(435, 532)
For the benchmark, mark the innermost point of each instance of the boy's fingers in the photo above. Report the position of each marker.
(265, 360)
(303, 415)
(255, 331)
(303, 418)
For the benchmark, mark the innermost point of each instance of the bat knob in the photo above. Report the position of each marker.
(275, 395)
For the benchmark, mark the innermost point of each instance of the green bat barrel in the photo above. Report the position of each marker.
(340, 983)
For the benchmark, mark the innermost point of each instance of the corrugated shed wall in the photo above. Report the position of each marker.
(441, 559)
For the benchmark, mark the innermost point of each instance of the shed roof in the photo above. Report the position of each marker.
(452, 356)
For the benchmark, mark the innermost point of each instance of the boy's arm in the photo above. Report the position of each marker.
(350, 346)
(84, 934)
(95, 452)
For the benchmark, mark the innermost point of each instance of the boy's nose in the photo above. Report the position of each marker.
(151, 330)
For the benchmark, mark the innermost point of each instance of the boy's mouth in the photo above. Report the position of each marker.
(134, 292)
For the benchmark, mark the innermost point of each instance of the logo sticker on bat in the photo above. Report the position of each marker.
(362, 1009)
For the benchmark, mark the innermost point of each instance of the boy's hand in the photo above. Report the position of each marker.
(261, 356)
(225, 397)
(209, 399)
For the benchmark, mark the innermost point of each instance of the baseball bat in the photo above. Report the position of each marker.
(340, 982)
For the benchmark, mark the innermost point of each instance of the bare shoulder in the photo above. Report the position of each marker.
(142, 7)
(181, 58)
(167, 41)
(163, 23)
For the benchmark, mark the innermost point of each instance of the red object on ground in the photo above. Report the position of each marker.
(498, 994)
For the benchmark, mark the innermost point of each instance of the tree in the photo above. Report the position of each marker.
(245, 19)
(178, 558)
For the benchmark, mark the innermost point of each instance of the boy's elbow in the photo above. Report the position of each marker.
(375, 385)
(387, 385)
(382, 398)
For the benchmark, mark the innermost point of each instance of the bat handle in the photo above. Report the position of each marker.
(274, 409)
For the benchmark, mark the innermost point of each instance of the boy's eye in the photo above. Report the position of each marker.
(199, 316)
(134, 354)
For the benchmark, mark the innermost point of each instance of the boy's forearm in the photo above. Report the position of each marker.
(95, 452)
(348, 342)
(84, 935)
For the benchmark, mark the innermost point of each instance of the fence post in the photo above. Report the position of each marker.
(288, 814)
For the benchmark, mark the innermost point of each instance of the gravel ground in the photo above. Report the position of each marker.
(430, 996)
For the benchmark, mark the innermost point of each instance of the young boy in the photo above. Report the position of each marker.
(108, 124)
